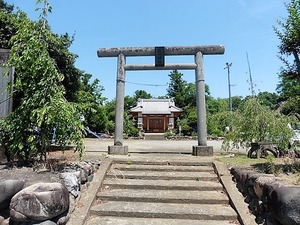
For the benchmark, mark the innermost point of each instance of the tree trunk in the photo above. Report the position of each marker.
(297, 63)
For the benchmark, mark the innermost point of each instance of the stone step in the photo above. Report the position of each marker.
(148, 167)
(164, 196)
(163, 184)
(153, 221)
(169, 175)
(163, 161)
(165, 210)
(155, 136)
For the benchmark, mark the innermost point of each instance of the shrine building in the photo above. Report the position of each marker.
(156, 115)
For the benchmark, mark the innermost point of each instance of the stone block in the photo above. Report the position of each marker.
(203, 151)
(117, 150)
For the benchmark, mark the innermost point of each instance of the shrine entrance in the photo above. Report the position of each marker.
(160, 52)
(156, 125)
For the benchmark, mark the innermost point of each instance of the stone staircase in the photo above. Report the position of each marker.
(155, 136)
(151, 192)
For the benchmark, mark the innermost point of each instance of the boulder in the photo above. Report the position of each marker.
(8, 188)
(284, 203)
(263, 184)
(46, 222)
(39, 202)
(71, 182)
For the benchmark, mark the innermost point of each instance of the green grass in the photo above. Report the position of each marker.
(240, 160)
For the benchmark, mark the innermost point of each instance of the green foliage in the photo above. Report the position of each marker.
(288, 33)
(168, 134)
(129, 126)
(291, 106)
(90, 100)
(26, 132)
(268, 99)
(218, 122)
(176, 88)
(270, 165)
(141, 94)
(255, 123)
(7, 28)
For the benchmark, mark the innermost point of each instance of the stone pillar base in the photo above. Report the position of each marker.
(203, 151)
(117, 150)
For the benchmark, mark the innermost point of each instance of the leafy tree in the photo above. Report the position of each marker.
(90, 100)
(218, 123)
(129, 126)
(27, 131)
(57, 47)
(256, 123)
(176, 88)
(141, 94)
(237, 102)
(7, 29)
(289, 35)
(268, 99)
(288, 32)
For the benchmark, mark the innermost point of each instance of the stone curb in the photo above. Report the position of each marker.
(235, 198)
(79, 216)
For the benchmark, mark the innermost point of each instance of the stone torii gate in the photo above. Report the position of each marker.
(160, 52)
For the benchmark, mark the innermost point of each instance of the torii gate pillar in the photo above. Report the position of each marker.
(198, 51)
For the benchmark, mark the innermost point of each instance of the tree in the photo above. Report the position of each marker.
(256, 123)
(57, 48)
(176, 88)
(7, 29)
(268, 99)
(289, 35)
(90, 101)
(141, 94)
(27, 131)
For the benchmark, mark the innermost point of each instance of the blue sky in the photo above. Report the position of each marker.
(242, 26)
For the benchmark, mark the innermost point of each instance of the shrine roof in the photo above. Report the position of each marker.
(155, 106)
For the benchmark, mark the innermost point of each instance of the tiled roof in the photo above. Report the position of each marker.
(155, 106)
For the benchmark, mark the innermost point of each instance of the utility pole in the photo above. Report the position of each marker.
(228, 65)
(251, 82)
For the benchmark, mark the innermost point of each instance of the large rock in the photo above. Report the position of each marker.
(40, 201)
(263, 185)
(8, 188)
(71, 182)
(284, 203)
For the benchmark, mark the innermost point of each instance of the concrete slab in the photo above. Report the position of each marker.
(166, 167)
(162, 159)
(204, 176)
(165, 210)
(164, 184)
(235, 197)
(153, 221)
(164, 196)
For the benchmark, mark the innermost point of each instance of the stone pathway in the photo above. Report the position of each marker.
(159, 190)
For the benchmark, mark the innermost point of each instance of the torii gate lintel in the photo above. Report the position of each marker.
(198, 51)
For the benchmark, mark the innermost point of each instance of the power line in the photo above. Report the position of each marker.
(5, 100)
(143, 84)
